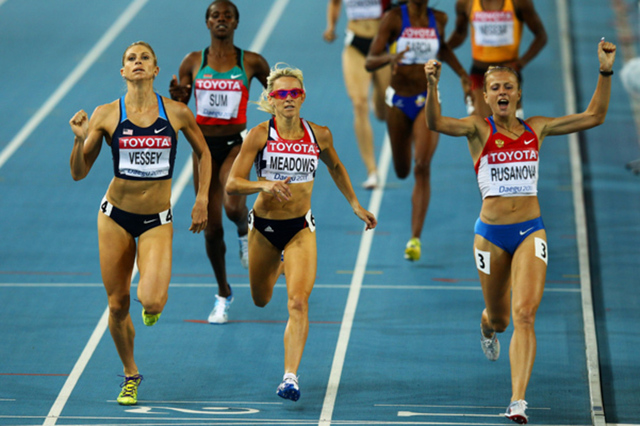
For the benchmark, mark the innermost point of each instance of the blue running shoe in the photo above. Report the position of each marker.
(289, 388)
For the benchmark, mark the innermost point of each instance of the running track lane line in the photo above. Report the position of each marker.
(261, 37)
(71, 80)
(588, 317)
(354, 292)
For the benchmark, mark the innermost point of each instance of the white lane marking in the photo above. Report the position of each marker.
(71, 80)
(354, 292)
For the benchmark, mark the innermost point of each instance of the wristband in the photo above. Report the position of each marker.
(606, 73)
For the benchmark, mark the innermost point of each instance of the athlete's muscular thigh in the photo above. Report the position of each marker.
(154, 263)
(301, 264)
(529, 273)
(117, 256)
(494, 270)
(356, 78)
(264, 262)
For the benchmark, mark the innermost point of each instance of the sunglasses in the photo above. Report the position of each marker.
(282, 94)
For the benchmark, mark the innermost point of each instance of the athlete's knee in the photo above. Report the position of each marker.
(214, 232)
(524, 316)
(499, 325)
(298, 304)
(260, 299)
(360, 105)
(119, 306)
(236, 212)
(422, 169)
(402, 169)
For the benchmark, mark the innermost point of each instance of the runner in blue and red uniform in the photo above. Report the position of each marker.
(220, 76)
(510, 243)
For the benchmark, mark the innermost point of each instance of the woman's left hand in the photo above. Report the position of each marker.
(199, 216)
(367, 217)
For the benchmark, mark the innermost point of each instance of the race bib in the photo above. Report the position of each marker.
(218, 98)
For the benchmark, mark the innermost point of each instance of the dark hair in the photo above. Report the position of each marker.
(496, 68)
(206, 17)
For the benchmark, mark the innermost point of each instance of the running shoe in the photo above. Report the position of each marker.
(412, 251)
(490, 346)
(129, 393)
(515, 412)
(371, 182)
(244, 250)
(150, 319)
(220, 312)
(289, 388)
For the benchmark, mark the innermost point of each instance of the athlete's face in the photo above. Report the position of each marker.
(287, 107)
(222, 20)
(502, 92)
(139, 64)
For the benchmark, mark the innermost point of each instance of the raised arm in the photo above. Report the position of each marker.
(339, 174)
(527, 12)
(461, 28)
(595, 113)
(87, 141)
(467, 126)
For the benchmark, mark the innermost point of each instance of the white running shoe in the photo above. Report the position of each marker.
(289, 388)
(220, 312)
(244, 250)
(515, 412)
(490, 346)
(371, 182)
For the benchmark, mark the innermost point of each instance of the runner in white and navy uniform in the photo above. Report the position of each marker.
(414, 33)
(135, 220)
(285, 151)
(510, 244)
(220, 76)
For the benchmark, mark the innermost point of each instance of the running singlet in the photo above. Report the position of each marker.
(508, 167)
(282, 158)
(495, 34)
(221, 97)
(423, 43)
(365, 9)
(144, 153)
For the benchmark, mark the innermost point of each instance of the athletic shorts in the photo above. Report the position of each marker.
(220, 146)
(135, 224)
(410, 105)
(362, 44)
(280, 232)
(508, 237)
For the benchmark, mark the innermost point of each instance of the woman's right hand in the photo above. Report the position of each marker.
(432, 70)
(80, 124)
(279, 189)
(179, 92)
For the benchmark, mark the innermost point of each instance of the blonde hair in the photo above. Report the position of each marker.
(496, 68)
(279, 70)
(141, 43)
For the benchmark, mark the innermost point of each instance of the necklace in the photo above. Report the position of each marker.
(512, 132)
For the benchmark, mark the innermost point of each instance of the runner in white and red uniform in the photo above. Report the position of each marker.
(220, 76)
(285, 151)
(510, 244)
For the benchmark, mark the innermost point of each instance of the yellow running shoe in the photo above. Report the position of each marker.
(129, 393)
(150, 319)
(412, 252)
